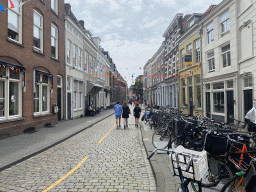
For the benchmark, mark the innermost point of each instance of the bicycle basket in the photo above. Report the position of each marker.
(216, 144)
(198, 167)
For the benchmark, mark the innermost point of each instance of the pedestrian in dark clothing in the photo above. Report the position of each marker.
(125, 114)
(136, 114)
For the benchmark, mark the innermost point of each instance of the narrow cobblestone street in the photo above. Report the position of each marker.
(105, 158)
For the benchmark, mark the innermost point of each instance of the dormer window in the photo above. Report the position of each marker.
(191, 23)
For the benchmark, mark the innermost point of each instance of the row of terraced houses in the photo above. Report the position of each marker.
(51, 67)
(206, 65)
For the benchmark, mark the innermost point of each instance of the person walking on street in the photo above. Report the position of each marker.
(125, 114)
(136, 113)
(118, 110)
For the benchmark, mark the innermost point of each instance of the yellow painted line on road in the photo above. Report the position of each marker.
(107, 134)
(64, 177)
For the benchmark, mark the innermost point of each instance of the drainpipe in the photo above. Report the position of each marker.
(202, 85)
(238, 103)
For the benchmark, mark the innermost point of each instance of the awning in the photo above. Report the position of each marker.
(90, 85)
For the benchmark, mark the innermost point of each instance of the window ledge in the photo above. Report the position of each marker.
(220, 114)
(15, 42)
(55, 13)
(42, 2)
(12, 120)
(211, 71)
(246, 59)
(38, 52)
(55, 59)
(42, 115)
(224, 33)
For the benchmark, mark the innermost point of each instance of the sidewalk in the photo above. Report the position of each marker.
(16, 149)
(165, 181)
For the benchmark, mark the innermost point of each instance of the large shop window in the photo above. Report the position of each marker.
(198, 91)
(218, 101)
(15, 21)
(12, 78)
(42, 85)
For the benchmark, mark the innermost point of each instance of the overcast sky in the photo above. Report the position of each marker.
(131, 30)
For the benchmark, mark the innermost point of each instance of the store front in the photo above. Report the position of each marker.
(220, 100)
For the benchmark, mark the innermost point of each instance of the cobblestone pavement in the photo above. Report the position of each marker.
(118, 163)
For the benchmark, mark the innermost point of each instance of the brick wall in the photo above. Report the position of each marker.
(25, 55)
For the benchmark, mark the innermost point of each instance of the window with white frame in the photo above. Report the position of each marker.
(80, 58)
(210, 61)
(38, 31)
(182, 58)
(225, 53)
(197, 50)
(68, 51)
(74, 55)
(59, 81)
(94, 67)
(189, 49)
(75, 95)
(191, 23)
(15, 21)
(10, 93)
(225, 22)
(197, 91)
(68, 84)
(42, 94)
(85, 61)
(210, 33)
(248, 82)
(90, 64)
(174, 96)
(54, 41)
(54, 5)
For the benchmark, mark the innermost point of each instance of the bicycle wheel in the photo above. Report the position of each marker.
(175, 143)
(161, 138)
(234, 184)
(216, 176)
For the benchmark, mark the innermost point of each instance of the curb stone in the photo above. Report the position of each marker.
(150, 170)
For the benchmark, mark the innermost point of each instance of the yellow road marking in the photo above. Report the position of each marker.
(106, 134)
(64, 177)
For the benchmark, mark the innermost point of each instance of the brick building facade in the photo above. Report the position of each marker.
(32, 70)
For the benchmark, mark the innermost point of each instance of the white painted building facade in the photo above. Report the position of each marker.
(246, 16)
(220, 62)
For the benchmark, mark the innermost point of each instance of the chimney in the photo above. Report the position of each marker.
(67, 8)
(81, 23)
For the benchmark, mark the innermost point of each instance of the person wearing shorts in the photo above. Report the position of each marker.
(118, 111)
